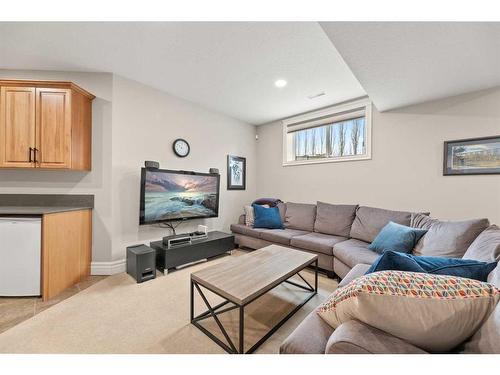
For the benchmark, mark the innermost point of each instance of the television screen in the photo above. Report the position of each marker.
(177, 195)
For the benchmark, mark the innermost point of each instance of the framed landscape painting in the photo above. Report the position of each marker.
(236, 173)
(472, 156)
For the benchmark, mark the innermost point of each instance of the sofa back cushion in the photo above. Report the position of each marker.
(369, 221)
(446, 238)
(300, 216)
(335, 219)
(282, 208)
(486, 247)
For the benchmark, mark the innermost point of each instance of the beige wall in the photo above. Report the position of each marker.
(98, 181)
(145, 123)
(405, 171)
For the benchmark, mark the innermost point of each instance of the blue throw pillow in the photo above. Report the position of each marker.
(269, 218)
(471, 269)
(396, 237)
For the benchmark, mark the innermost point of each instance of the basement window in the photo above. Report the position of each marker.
(338, 133)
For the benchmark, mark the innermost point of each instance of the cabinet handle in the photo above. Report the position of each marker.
(34, 153)
(30, 155)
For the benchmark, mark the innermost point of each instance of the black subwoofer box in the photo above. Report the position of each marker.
(141, 262)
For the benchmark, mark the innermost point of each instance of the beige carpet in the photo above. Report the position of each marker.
(117, 315)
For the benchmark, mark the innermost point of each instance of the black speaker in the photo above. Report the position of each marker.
(141, 262)
(151, 164)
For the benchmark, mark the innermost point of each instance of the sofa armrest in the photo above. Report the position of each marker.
(354, 337)
(310, 336)
(241, 219)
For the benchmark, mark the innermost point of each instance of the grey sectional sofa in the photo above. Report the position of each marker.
(340, 235)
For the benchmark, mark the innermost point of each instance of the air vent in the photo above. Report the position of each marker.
(316, 95)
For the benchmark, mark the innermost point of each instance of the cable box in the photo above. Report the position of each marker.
(183, 239)
(179, 240)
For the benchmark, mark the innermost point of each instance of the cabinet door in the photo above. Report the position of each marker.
(17, 126)
(53, 128)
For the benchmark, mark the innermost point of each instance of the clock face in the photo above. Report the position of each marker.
(181, 148)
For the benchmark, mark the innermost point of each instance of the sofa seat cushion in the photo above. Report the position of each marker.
(369, 221)
(282, 236)
(310, 336)
(300, 216)
(352, 252)
(318, 242)
(246, 230)
(446, 238)
(354, 337)
(335, 219)
(449, 312)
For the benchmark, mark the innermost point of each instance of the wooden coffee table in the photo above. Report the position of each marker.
(241, 280)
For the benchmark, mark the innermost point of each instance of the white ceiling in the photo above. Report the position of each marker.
(231, 67)
(227, 67)
(399, 64)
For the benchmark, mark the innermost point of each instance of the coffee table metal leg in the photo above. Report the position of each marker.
(191, 306)
(231, 348)
(242, 329)
(316, 276)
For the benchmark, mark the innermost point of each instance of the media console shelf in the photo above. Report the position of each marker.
(216, 243)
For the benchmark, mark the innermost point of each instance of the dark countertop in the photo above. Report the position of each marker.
(36, 210)
(39, 204)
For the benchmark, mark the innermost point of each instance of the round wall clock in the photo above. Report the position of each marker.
(181, 147)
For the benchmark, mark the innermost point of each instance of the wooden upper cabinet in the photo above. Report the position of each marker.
(17, 127)
(53, 133)
(45, 124)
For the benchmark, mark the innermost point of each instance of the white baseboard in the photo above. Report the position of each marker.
(107, 268)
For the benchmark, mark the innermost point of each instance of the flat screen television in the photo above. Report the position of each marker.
(177, 195)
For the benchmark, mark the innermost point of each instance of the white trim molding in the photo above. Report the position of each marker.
(108, 268)
(318, 117)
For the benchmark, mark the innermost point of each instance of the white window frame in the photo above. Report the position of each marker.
(358, 104)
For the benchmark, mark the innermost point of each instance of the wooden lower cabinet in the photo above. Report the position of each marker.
(66, 250)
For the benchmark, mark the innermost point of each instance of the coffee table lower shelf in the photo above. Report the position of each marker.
(213, 311)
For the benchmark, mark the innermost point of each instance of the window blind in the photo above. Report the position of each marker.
(326, 120)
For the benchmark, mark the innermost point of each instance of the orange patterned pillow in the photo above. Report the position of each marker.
(433, 312)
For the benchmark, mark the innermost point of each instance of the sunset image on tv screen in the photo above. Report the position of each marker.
(173, 196)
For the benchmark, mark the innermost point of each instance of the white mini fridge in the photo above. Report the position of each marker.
(20, 256)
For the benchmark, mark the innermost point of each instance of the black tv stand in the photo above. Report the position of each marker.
(216, 243)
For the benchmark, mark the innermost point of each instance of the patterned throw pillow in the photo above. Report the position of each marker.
(249, 216)
(433, 312)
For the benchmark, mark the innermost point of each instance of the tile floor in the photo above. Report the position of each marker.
(14, 310)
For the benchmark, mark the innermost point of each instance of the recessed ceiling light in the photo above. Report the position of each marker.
(280, 83)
